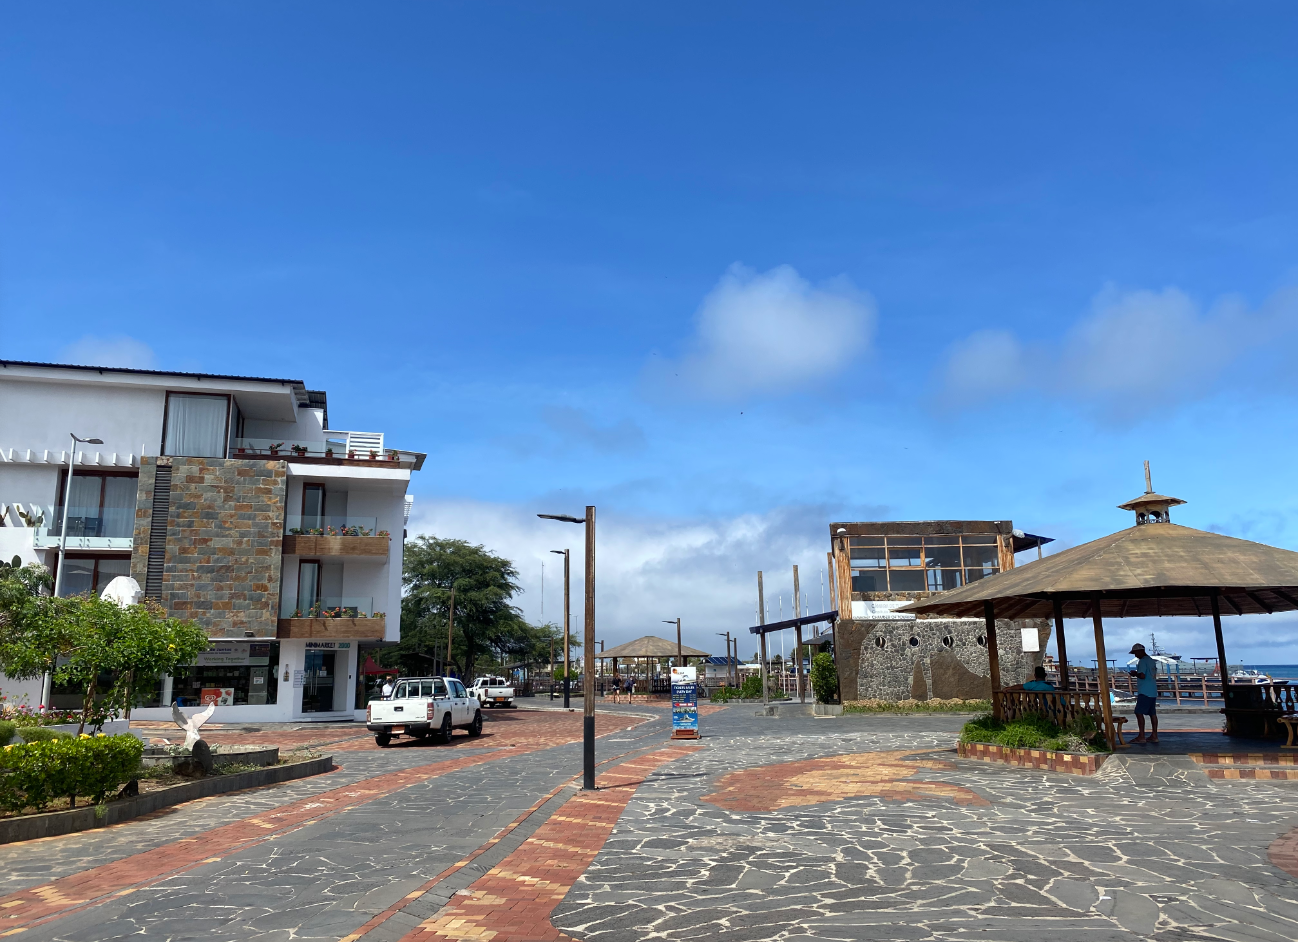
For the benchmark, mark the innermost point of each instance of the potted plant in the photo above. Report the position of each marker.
(374, 455)
(384, 533)
(299, 450)
(393, 455)
(274, 449)
(351, 453)
(329, 452)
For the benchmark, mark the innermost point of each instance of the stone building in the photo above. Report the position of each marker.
(886, 654)
(232, 503)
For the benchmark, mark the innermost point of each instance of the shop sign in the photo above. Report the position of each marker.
(328, 645)
(235, 654)
(299, 678)
(221, 696)
(685, 703)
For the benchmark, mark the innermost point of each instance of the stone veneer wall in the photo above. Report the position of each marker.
(225, 529)
(945, 661)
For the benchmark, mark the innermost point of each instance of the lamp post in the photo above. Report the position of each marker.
(588, 681)
(680, 656)
(727, 634)
(567, 642)
(67, 498)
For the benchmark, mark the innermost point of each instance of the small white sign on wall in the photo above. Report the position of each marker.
(1031, 641)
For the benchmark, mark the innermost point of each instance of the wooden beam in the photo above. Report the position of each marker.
(1258, 599)
(1102, 670)
(993, 656)
(1286, 596)
(1223, 667)
(1060, 644)
(1230, 602)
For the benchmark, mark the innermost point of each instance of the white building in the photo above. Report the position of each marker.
(230, 501)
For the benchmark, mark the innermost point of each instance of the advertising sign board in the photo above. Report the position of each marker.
(685, 703)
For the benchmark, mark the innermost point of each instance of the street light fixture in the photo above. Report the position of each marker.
(680, 656)
(727, 634)
(567, 641)
(588, 659)
(67, 497)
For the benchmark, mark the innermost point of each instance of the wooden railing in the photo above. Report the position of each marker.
(1061, 707)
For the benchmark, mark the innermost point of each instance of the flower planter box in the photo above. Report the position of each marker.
(1071, 762)
(304, 545)
(372, 629)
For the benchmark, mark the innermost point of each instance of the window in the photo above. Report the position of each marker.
(92, 573)
(922, 564)
(103, 504)
(457, 689)
(195, 426)
(400, 692)
(439, 687)
(906, 580)
(232, 672)
(870, 581)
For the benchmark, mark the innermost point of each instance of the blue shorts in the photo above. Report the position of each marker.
(1146, 705)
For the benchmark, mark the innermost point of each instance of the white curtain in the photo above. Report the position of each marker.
(196, 426)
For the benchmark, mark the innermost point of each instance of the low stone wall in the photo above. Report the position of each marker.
(1043, 759)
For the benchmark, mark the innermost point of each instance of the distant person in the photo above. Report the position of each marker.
(386, 690)
(1039, 682)
(617, 689)
(1146, 674)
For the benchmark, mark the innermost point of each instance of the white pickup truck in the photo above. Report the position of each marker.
(424, 706)
(492, 692)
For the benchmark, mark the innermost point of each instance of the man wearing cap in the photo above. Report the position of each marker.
(1146, 674)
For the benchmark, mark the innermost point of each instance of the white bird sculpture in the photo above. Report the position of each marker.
(123, 590)
(191, 724)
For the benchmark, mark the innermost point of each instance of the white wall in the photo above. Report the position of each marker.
(29, 484)
(40, 415)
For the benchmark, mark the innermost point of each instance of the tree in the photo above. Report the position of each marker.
(485, 617)
(824, 678)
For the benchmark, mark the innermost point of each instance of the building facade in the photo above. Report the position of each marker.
(232, 503)
(889, 655)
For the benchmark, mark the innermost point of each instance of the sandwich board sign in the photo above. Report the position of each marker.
(685, 703)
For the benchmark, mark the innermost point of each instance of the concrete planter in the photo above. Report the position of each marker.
(1071, 762)
(221, 755)
(52, 824)
(828, 709)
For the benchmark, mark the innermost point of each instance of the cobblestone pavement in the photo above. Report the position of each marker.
(310, 860)
(1149, 848)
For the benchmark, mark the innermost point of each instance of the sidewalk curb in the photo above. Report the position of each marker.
(57, 823)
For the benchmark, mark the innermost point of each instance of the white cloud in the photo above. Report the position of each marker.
(119, 351)
(650, 569)
(1129, 353)
(771, 332)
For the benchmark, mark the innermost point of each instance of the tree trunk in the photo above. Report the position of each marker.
(87, 703)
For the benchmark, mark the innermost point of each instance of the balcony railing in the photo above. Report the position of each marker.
(329, 448)
(344, 606)
(97, 522)
(88, 527)
(326, 525)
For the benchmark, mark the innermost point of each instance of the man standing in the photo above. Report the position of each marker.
(1146, 674)
(386, 690)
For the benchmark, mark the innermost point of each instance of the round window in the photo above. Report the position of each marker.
(948, 642)
(914, 642)
(879, 642)
(982, 640)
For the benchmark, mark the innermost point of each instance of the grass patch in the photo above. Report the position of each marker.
(954, 705)
(1034, 731)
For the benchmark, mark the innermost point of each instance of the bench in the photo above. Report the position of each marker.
(1261, 710)
(1061, 707)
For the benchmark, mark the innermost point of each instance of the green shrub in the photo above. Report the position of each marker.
(1034, 731)
(724, 694)
(36, 773)
(954, 705)
(42, 734)
(7, 730)
(824, 678)
(752, 687)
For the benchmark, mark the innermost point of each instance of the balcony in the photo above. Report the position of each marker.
(89, 528)
(335, 536)
(332, 618)
(343, 448)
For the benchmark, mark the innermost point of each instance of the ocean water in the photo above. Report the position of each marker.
(1277, 671)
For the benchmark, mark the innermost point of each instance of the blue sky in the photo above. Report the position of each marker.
(729, 272)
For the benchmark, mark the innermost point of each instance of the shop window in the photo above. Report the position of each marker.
(234, 673)
(83, 574)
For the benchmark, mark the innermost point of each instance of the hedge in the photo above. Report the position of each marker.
(42, 733)
(7, 730)
(34, 774)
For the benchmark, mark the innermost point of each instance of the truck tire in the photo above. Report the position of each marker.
(382, 740)
(475, 728)
(444, 732)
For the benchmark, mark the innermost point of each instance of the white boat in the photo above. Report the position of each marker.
(1249, 676)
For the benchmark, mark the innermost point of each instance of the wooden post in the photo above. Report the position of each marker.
(1223, 667)
(797, 613)
(1060, 643)
(761, 620)
(588, 684)
(993, 656)
(833, 604)
(1102, 670)
(680, 657)
(567, 639)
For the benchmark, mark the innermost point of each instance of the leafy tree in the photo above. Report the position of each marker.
(824, 678)
(485, 618)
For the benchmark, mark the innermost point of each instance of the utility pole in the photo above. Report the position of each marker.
(450, 627)
(567, 638)
(761, 621)
(727, 634)
(680, 657)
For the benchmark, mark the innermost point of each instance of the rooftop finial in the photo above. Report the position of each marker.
(1149, 484)
(1150, 507)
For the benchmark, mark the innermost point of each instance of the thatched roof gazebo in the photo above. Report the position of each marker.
(1153, 568)
(649, 648)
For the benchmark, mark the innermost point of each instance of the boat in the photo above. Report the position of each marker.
(1242, 675)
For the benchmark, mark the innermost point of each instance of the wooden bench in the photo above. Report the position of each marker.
(1291, 723)
(1061, 707)
(1261, 710)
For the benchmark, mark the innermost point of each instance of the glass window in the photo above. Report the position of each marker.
(905, 555)
(941, 557)
(119, 506)
(253, 681)
(941, 541)
(982, 556)
(400, 692)
(971, 538)
(308, 586)
(426, 689)
(940, 580)
(87, 574)
(869, 557)
(856, 541)
(870, 580)
(195, 425)
(439, 688)
(973, 575)
(906, 580)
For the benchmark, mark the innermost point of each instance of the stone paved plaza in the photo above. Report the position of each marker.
(857, 827)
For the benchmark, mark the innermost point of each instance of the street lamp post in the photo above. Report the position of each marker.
(680, 656)
(727, 634)
(63, 542)
(567, 641)
(588, 681)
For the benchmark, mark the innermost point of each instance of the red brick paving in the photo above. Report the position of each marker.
(1283, 852)
(513, 901)
(60, 897)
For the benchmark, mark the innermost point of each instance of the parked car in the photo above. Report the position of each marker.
(424, 706)
(492, 691)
